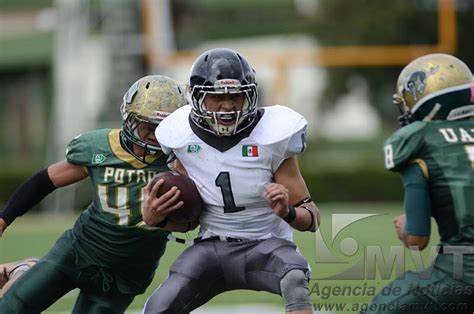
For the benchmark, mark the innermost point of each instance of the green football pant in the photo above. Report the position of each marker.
(413, 294)
(57, 274)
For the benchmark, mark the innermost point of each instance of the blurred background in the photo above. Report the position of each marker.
(65, 65)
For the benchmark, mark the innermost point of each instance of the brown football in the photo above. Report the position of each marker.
(191, 209)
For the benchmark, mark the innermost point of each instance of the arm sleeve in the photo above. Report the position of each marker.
(27, 195)
(416, 202)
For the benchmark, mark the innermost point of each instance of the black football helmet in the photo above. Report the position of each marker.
(222, 71)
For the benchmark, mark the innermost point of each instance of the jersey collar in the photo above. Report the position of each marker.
(122, 154)
(224, 143)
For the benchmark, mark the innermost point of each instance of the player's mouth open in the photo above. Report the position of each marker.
(227, 119)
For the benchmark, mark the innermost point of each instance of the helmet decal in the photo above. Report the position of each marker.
(415, 83)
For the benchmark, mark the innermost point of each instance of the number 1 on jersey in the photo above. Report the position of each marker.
(223, 181)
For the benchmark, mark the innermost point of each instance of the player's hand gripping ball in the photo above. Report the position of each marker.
(192, 202)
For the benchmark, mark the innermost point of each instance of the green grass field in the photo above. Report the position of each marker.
(35, 234)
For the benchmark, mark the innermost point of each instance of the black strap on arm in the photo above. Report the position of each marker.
(304, 201)
(27, 195)
(312, 218)
(291, 216)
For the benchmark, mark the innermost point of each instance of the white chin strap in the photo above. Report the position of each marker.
(433, 112)
(224, 129)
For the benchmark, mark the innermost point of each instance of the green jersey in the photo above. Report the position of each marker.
(445, 152)
(111, 233)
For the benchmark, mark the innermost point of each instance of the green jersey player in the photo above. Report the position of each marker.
(434, 153)
(109, 254)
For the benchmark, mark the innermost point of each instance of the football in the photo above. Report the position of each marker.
(191, 209)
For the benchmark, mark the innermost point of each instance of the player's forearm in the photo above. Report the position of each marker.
(307, 218)
(27, 195)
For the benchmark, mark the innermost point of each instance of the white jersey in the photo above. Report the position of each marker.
(232, 180)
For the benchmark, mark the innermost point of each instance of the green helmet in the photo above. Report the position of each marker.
(149, 100)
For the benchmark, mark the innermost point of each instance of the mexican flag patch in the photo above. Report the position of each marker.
(250, 151)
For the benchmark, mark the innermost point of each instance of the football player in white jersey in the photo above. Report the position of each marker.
(243, 160)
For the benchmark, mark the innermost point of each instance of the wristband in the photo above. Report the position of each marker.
(291, 214)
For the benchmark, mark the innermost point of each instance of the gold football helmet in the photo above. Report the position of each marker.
(149, 100)
(426, 78)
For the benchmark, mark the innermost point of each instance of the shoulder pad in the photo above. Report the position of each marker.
(173, 131)
(85, 146)
(277, 124)
(403, 146)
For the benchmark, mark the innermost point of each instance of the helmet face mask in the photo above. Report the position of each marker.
(424, 79)
(222, 72)
(147, 102)
(132, 131)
